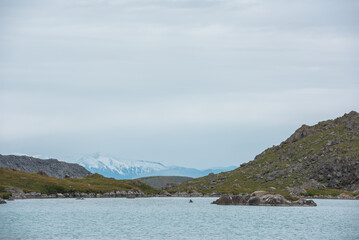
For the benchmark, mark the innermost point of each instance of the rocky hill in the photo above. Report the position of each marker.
(49, 167)
(315, 160)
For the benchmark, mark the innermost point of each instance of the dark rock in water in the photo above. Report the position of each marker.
(261, 198)
(190, 201)
(2, 201)
(49, 167)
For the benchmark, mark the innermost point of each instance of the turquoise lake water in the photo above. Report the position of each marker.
(175, 218)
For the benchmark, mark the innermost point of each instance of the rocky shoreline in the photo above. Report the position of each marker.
(20, 194)
(224, 199)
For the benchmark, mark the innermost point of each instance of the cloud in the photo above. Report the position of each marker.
(119, 68)
(76, 115)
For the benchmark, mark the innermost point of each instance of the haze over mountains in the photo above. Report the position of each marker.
(119, 168)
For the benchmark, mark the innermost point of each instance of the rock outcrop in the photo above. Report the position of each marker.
(261, 198)
(49, 167)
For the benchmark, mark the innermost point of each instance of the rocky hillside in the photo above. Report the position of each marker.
(314, 160)
(49, 167)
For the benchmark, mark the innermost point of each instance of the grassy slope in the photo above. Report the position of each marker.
(162, 181)
(33, 182)
(291, 164)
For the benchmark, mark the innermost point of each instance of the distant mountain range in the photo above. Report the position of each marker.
(118, 168)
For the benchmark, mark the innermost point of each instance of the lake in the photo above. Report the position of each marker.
(174, 218)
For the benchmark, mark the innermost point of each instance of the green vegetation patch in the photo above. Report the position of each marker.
(33, 182)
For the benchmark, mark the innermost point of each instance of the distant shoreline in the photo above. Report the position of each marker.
(131, 195)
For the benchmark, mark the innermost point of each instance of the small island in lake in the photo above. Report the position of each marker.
(262, 198)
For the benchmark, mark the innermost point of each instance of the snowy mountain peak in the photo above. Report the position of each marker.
(120, 168)
(112, 166)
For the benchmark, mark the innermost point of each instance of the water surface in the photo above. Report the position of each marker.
(175, 218)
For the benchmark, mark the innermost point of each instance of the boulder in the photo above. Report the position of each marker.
(224, 200)
(274, 200)
(304, 202)
(60, 195)
(2, 201)
(164, 193)
(254, 201)
(83, 195)
(241, 198)
(92, 195)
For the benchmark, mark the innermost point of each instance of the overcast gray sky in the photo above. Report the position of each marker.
(183, 82)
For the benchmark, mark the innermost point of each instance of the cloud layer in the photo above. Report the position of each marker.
(195, 83)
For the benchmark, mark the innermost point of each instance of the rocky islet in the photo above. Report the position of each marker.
(262, 198)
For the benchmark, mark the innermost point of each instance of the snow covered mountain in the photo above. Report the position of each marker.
(110, 166)
(115, 167)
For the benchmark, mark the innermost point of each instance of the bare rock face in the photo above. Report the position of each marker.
(261, 198)
(300, 133)
(50, 167)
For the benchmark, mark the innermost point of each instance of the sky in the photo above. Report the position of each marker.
(182, 82)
